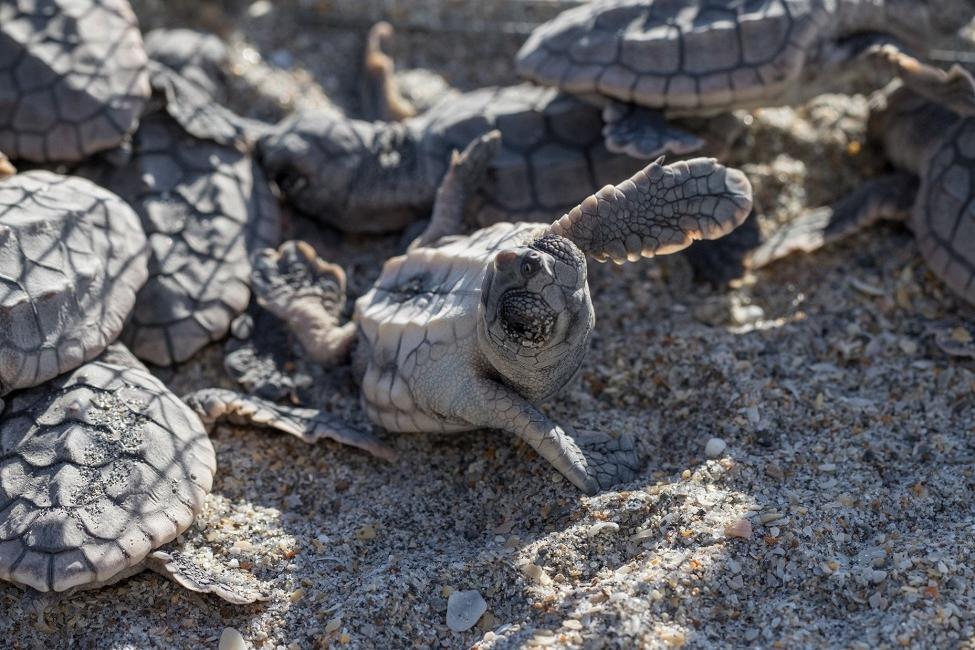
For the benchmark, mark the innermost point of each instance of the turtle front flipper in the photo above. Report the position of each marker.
(215, 405)
(590, 461)
(644, 133)
(889, 198)
(660, 210)
(954, 88)
(466, 173)
(381, 97)
(307, 293)
(7, 168)
(234, 586)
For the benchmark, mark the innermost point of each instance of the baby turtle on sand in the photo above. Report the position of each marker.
(703, 57)
(98, 468)
(471, 332)
(73, 78)
(205, 207)
(929, 142)
(72, 256)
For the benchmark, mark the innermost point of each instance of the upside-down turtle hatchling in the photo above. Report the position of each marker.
(929, 143)
(72, 257)
(702, 57)
(471, 332)
(205, 207)
(100, 467)
(73, 78)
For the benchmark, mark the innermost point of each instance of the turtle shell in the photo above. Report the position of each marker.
(73, 78)
(421, 307)
(944, 216)
(97, 468)
(205, 208)
(675, 54)
(72, 256)
(552, 153)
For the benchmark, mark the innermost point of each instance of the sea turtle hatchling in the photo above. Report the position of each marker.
(703, 57)
(72, 257)
(99, 468)
(928, 142)
(471, 332)
(73, 78)
(205, 207)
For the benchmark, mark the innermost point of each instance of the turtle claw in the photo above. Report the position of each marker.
(609, 460)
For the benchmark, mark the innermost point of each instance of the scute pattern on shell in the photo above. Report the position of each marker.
(97, 468)
(675, 54)
(552, 150)
(73, 78)
(944, 216)
(72, 256)
(205, 207)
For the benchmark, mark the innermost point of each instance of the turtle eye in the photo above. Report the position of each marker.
(530, 265)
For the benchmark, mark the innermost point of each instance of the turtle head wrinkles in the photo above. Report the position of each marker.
(535, 306)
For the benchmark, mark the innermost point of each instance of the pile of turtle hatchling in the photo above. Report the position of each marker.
(145, 216)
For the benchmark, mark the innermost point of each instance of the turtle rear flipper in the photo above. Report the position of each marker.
(233, 586)
(645, 133)
(310, 425)
(889, 198)
(6, 167)
(381, 97)
(954, 88)
(307, 293)
(463, 178)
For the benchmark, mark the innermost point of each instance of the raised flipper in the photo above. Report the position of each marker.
(590, 461)
(381, 97)
(234, 586)
(660, 210)
(215, 405)
(466, 173)
(889, 198)
(644, 133)
(954, 88)
(308, 294)
(6, 167)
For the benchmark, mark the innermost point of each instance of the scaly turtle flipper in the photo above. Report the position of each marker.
(465, 175)
(295, 285)
(889, 198)
(237, 587)
(215, 405)
(644, 133)
(381, 97)
(660, 210)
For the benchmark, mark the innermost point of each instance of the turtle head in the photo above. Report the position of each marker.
(535, 307)
(314, 157)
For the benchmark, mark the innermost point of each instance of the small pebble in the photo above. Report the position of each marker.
(602, 526)
(572, 624)
(741, 528)
(715, 448)
(231, 639)
(464, 608)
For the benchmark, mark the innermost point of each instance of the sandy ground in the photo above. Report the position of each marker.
(849, 467)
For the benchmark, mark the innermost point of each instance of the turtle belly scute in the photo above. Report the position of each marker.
(417, 329)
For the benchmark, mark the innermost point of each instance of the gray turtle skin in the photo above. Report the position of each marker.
(471, 332)
(198, 57)
(707, 56)
(73, 78)
(98, 468)
(933, 194)
(386, 174)
(205, 207)
(72, 257)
